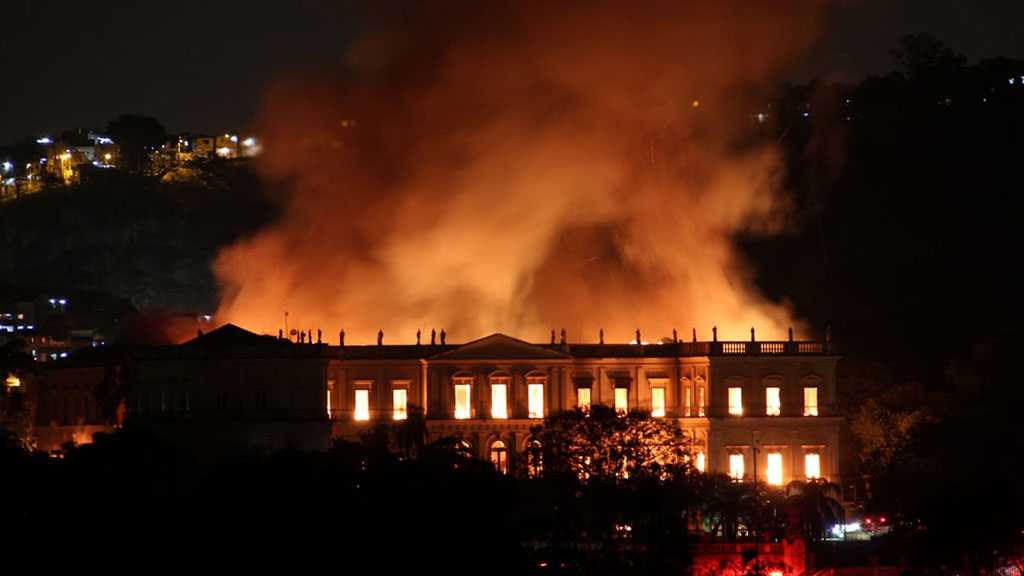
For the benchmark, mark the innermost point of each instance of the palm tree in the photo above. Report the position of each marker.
(727, 505)
(818, 505)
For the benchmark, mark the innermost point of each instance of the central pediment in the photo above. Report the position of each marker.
(500, 347)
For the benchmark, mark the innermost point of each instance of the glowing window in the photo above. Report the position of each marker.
(773, 402)
(736, 466)
(583, 398)
(462, 391)
(658, 402)
(812, 465)
(331, 383)
(499, 400)
(362, 411)
(687, 400)
(499, 456)
(811, 401)
(621, 400)
(700, 401)
(535, 396)
(399, 402)
(736, 401)
(774, 473)
(534, 465)
(701, 461)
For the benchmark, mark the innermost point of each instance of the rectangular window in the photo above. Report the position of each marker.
(736, 466)
(700, 401)
(812, 465)
(811, 401)
(536, 400)
(736, 401)
(330, 394)
(772, 401)
(621, 400)
(499, 401)
(701, 461)
(399, 401)
(583, 398)
(774, 473)
(658, 402)
(362, 411)
(687, 400)
(462, 411)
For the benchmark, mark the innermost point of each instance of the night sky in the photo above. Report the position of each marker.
(200, 66)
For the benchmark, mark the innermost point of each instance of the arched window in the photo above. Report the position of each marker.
(534, 459)
(499, 456)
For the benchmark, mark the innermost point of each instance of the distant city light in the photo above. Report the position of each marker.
(234, 138)
(44, 140)
(103, 140)
(7, 166)
(250, 141)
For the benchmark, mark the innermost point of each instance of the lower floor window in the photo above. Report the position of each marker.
(812, 465)
(736, 466)
(774, 474)
(499, 456)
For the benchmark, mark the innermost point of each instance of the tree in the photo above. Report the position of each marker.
(600, 444)
(817, 502)
(135, 136)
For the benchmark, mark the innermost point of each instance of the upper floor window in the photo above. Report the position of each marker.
(583, 398)
(812, 465)
(774, 473)
(687, 398)
(811, 401)
(701, 398)
(736, 466)
(362, 406)
(399, 403)
(658, 402)
(463, 388)
(330, 398)
(535, 397)
(773, 401)
(621, 400)
(736, 401)
(499, 398)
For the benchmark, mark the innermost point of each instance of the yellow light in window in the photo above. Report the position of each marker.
(328, 403)
(621, 400)
(774, 473)
(499, 401)
(535, 396)
(812, 465)
(499, 456)
(399, 402)
(701, 461)
(700, 402)
(362, 411)
(811, 401)
(773, 402)
(12, 381)
(736, 401)
(462, 411)
(583, 398)
(736, 466)
(687, 400)
(658, 402)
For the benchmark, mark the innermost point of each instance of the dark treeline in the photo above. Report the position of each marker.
(907, 208)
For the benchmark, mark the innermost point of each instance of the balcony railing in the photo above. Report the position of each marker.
(765, 348)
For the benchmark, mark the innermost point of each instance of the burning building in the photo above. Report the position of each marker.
(751, 408)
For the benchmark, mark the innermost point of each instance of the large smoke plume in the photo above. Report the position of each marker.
(488, 167)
